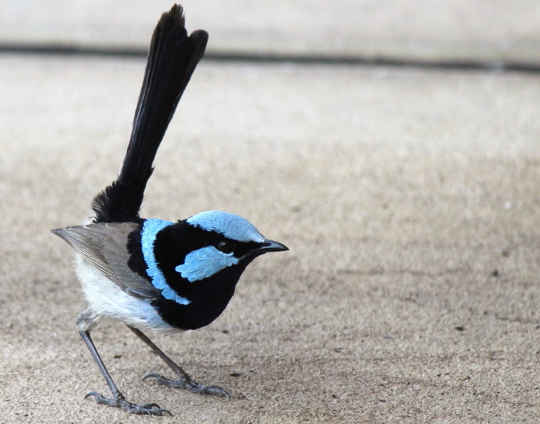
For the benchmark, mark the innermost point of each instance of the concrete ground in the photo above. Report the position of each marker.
(409, 200)
(422, 29)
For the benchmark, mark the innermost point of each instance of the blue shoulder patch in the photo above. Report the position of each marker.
(151, 228)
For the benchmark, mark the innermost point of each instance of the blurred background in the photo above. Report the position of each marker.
(394, 146)
(494, 31)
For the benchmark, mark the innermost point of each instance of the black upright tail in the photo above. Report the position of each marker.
(171, 60)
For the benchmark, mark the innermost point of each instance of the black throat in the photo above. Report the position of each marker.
(208, 300)
(209, 296)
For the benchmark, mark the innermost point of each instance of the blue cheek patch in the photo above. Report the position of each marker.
(151, 228)
(204, 262)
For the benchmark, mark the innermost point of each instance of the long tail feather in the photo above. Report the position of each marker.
(172, 58)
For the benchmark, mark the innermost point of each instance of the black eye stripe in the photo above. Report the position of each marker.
(193, 238)
(238, 248)
(225, 246)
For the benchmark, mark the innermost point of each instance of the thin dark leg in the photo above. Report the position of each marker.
(185, 381)
(175, 367)
(95, 354)
(118, 399)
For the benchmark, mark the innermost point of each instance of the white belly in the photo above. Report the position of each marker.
(105, 298)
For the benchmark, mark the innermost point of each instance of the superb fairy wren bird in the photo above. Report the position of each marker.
(151, 273)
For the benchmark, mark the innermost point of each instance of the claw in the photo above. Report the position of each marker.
(150, 405)
(132, 408)
(151, 375)
(91, 394)
(217, 391)
(189, 384)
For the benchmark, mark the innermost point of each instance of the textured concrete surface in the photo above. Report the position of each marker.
(422, 29)
(409, 200)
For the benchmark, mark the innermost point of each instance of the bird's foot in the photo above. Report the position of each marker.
(189, 384)
(120, 402)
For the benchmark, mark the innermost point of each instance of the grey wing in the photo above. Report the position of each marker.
(104, 245)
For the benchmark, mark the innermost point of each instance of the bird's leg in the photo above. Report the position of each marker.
(117, 400)
(184, 381)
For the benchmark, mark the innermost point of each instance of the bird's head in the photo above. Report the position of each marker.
(229, 240)
(208, 244)
(197, 262)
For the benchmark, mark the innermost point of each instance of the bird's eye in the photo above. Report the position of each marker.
(225, 246)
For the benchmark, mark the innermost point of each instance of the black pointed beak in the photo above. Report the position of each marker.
(273, 246)
(264, 247)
